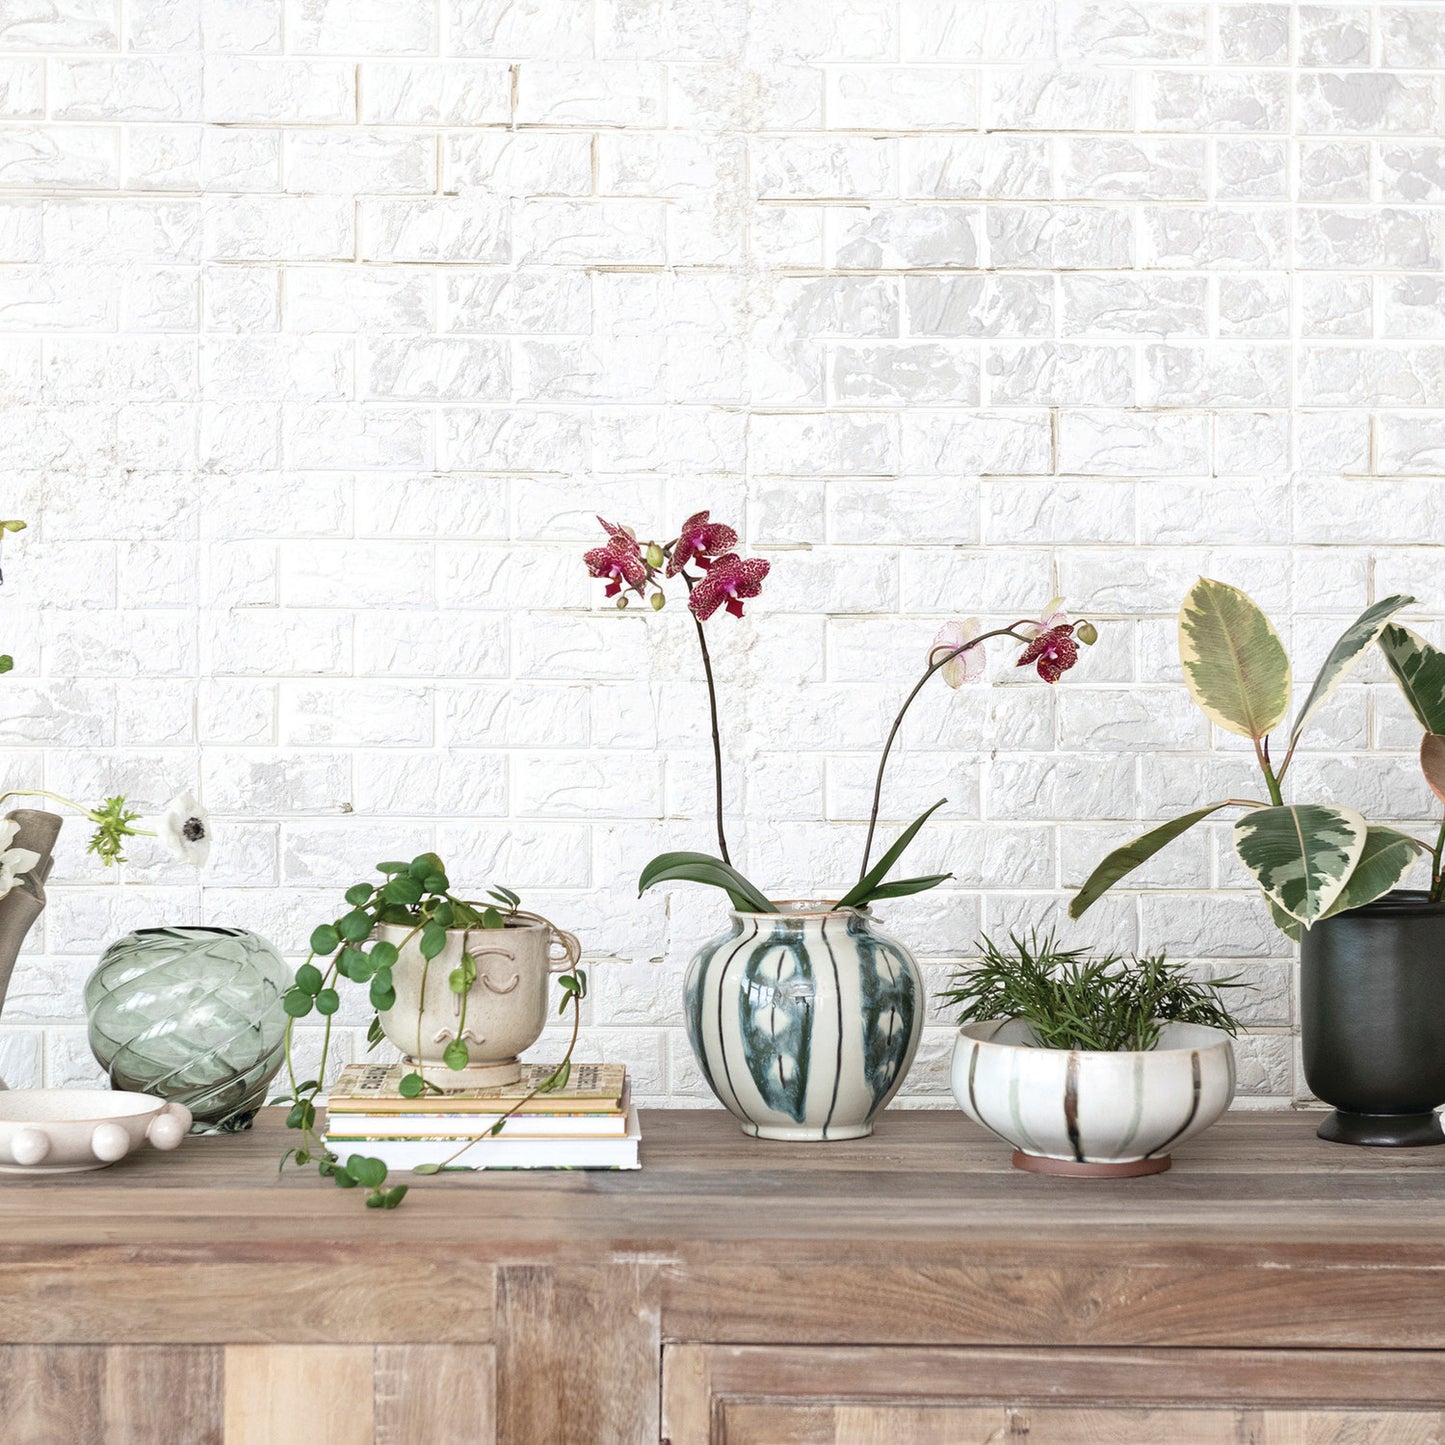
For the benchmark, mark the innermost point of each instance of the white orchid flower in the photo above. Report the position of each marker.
(967, 666)
(185, 828)
(15, 863)
(1052, 616)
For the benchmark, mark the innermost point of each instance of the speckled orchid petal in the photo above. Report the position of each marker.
(729, 581)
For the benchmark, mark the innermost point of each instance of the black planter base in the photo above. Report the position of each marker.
(1388, 1131)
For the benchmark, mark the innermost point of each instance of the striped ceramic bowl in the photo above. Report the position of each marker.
(1071, 1111)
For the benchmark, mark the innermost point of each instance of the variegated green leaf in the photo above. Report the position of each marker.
(1234, 662)
(1419, 668)
(1386, 859)
(1432, 761)
(1123, 861)
(1291, 927)
(1302, 855)
(1353, 641)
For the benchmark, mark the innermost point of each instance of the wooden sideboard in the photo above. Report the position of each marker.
(907, 1288)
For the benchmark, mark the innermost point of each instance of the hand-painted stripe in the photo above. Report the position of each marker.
(1193, 1106)
(1071, 1105)
(838, 991)
(973, 1097)
(722, 1043)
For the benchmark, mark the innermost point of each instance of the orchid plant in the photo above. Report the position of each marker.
(1311, 860)
(717, 577)
(184, 826)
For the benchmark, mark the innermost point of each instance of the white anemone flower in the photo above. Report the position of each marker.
(185, 828)
(15, 863)
(967, 666)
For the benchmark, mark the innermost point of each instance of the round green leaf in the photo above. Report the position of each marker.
(1234, 663)
(355, 926)
(403, 890)
(433, 940)
(358, 894)
(382, 994)
(296, 1002)
(327, 1002)
(392, 867)
(325, 940)
(365, 1170)
(457, 981)
(427, 1169)
(383, 954)
(455, 1055)
(424, 865)
(411, 1086)
(308, 979)
(436, 883)
(343, 1179)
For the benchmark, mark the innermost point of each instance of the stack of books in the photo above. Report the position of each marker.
(589, 1124)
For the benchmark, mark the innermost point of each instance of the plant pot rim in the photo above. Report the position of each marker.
(983, 1033)
(527, 921)
(803, 908)
(1397, 903)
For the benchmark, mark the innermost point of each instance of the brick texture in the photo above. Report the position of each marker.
(326, 326)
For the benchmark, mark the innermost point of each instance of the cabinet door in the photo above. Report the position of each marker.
(247, 1394)
(757, 1395)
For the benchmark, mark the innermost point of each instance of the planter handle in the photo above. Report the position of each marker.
(559, 938)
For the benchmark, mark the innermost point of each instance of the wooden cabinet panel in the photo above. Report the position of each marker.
(751, 1424)
(755, 1395)
(247, 1394)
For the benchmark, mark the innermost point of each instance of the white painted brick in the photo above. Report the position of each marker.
(904, 98)
(326, 329)
(279, 91)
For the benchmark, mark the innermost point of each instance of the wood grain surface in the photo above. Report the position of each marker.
(539, 1306)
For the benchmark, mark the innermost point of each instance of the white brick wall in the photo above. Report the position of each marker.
(326, 326)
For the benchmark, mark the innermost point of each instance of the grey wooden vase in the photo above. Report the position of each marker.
(25, 902)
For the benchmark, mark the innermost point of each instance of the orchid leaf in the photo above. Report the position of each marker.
(1302, 856)
(704, 868)
(1419, 668)
(1343, 656)
(1432, 761)
(1123, 861)
(1234, 663)
(1387, 857)
(867, 886)
(902, 887)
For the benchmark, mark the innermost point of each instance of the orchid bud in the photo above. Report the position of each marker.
(621, 601)
(1087, 633)
(655, 557)
(658, 601)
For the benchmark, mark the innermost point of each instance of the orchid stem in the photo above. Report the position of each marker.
(898, 722)
(717, 773)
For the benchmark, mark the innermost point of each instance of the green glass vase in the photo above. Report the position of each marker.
(192, 1014)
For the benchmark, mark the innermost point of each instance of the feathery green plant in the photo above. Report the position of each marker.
(1073, 1001)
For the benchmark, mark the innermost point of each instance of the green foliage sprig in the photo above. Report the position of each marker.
(417, 896)
(1072, 1001)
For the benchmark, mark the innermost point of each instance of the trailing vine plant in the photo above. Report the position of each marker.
(417, 896)
(716, 578)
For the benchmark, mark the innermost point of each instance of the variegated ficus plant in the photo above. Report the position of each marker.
(1311, 859)
(717, 579)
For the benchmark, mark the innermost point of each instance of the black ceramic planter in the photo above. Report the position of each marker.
(1372, 1015)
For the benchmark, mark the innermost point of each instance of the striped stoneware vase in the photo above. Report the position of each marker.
(804, 1021)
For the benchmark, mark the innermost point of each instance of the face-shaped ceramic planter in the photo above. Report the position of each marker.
(500, 1016)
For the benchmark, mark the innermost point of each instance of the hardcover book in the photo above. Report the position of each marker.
(376, 1089)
